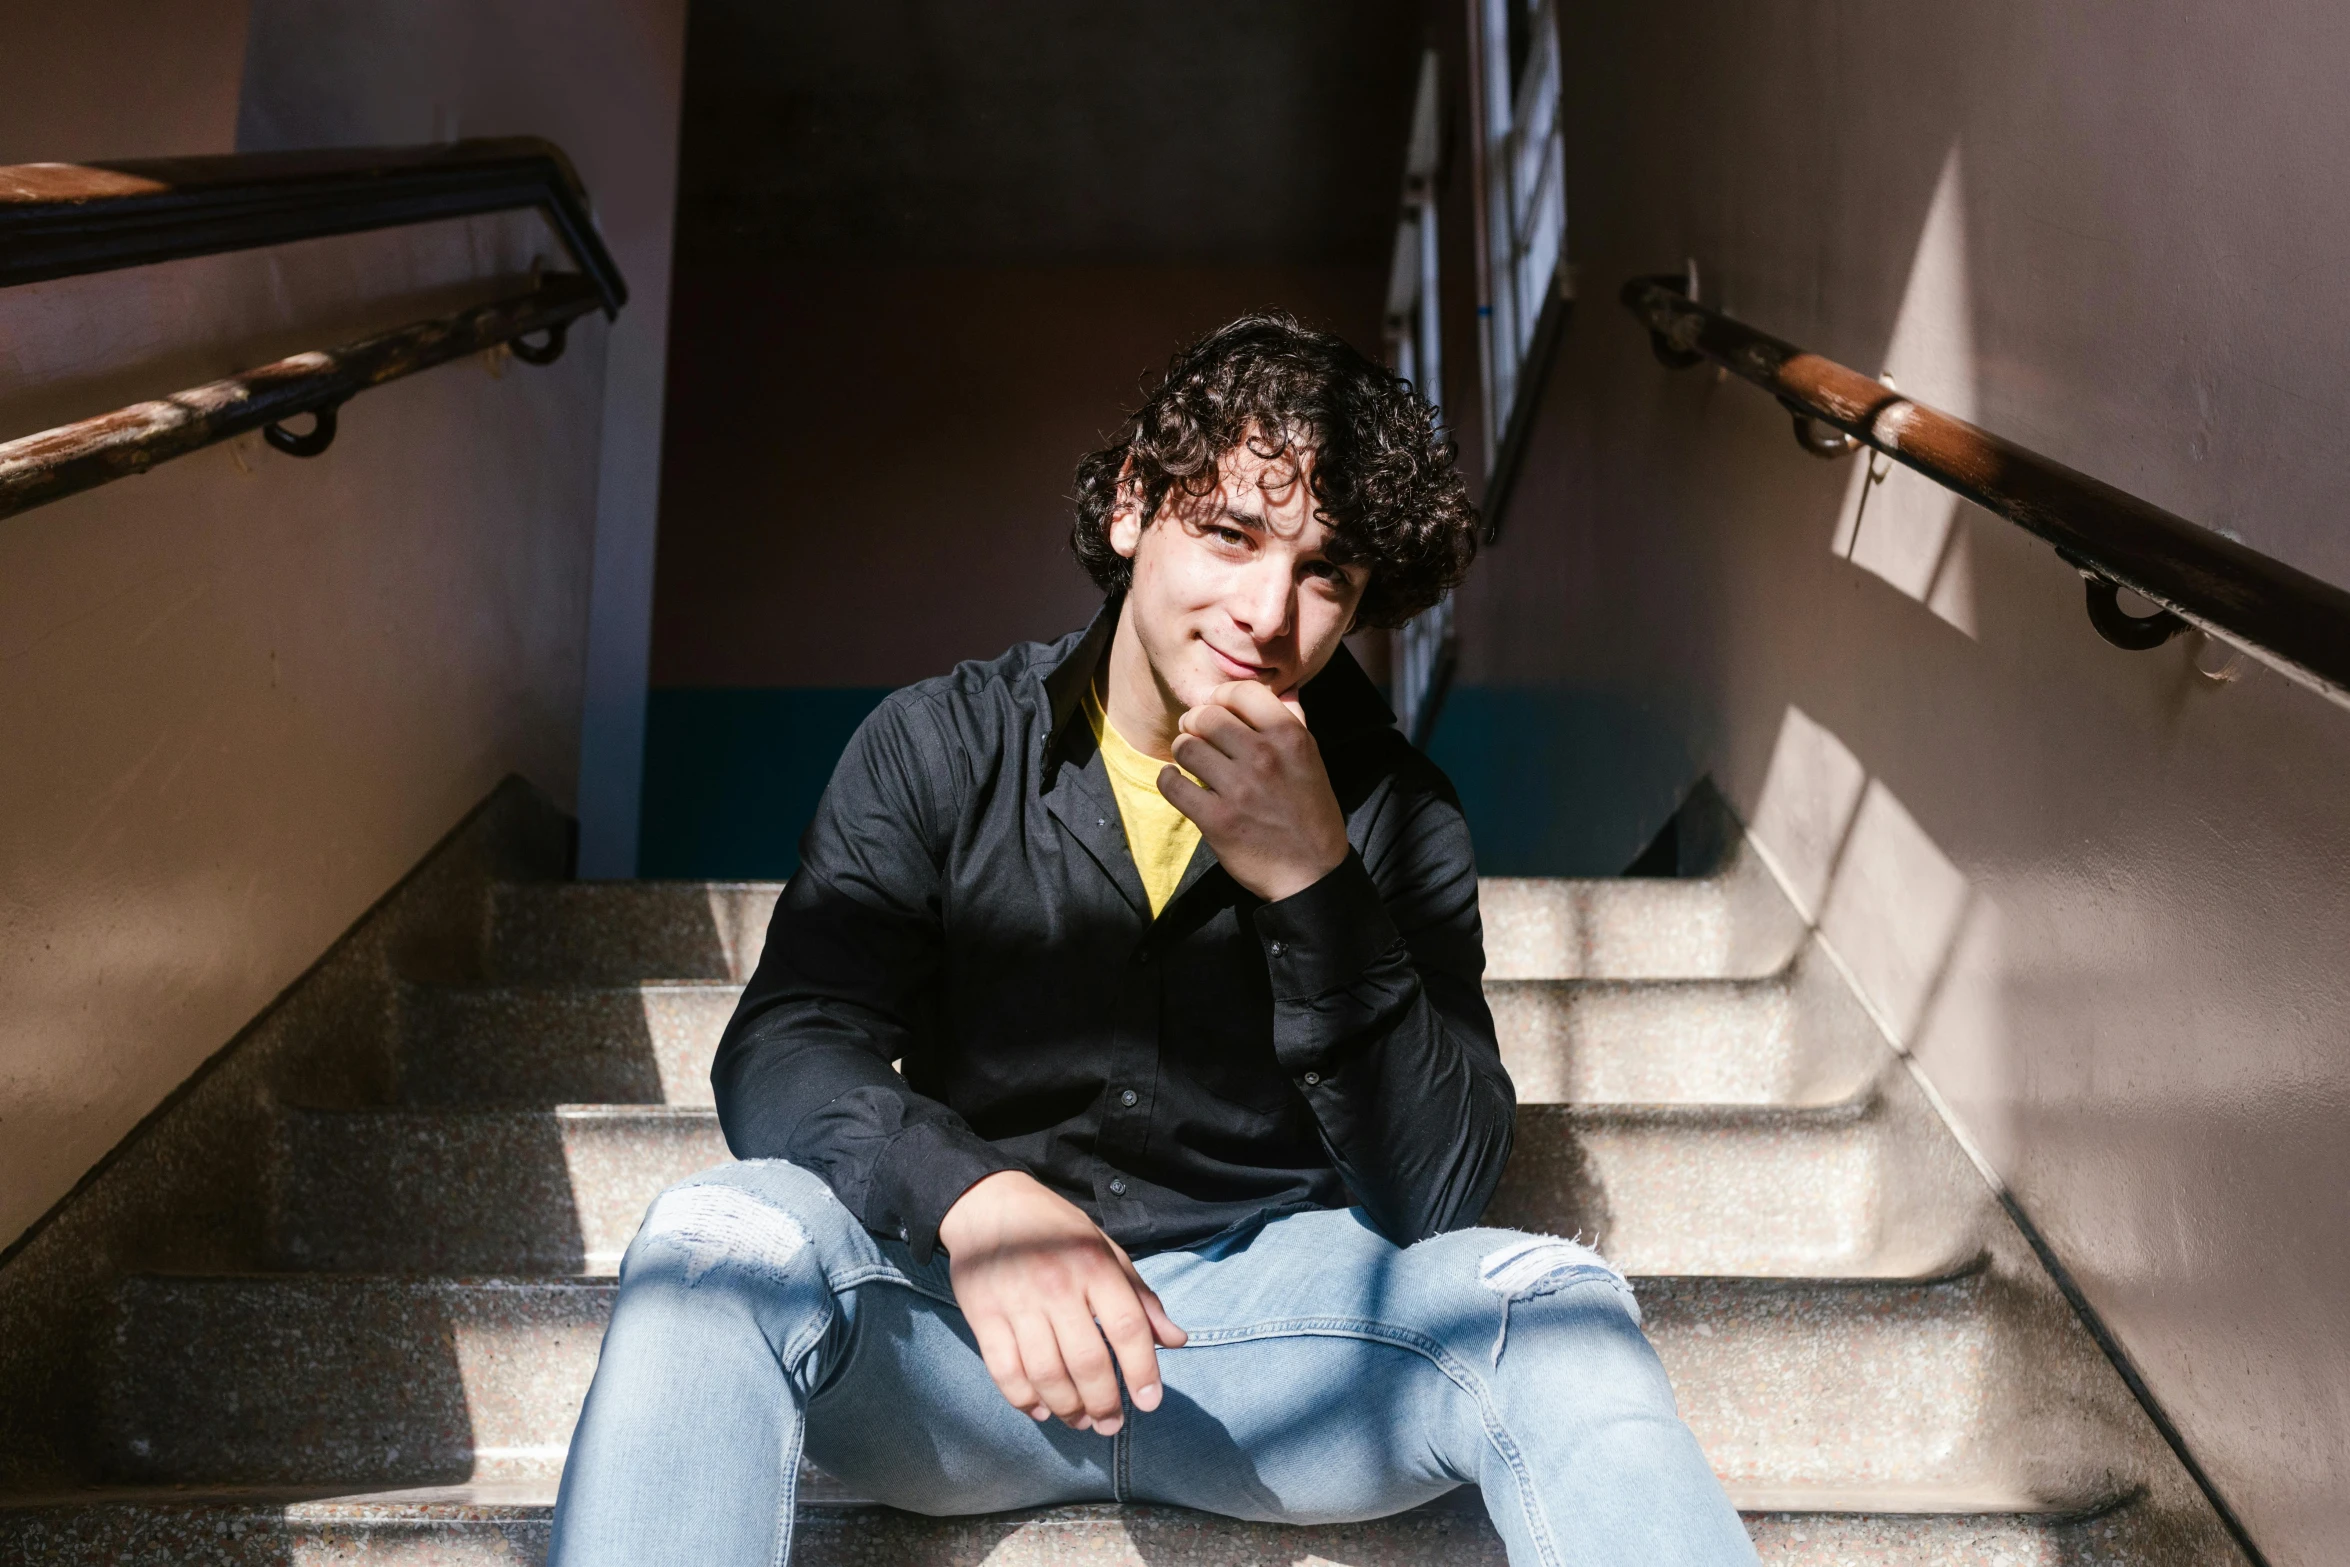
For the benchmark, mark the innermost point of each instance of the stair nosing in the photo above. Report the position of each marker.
(625, 884)
(559, 987)
(1854, 1110)
(458, 1503)
(1971, 1267)
(1779, 979)
(1699, 1115)
(568, 1110)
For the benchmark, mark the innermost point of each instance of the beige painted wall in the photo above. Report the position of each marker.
(242, 695)
(606, 79)
(134, 79)
(2102, 897)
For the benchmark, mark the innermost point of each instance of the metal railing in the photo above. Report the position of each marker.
(62, 220)
(66, 219)
(80, 456)
(2191, 574)
(1427, 655)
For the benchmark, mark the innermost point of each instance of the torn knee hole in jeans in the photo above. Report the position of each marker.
(1543, 1265)
(714, 1224)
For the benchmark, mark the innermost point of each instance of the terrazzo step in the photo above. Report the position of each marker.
(1841, 1192)
(1734, 924)
(617, 932)
(254, 1379)
(1731, 923)
(320, 1379)
(1794, 1038)
(645, 1042)
(467, 1527)
(554, 1191)
(1667, 1190)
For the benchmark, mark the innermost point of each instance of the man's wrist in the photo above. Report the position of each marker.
(1323, 936)
(924, 1171)
(969, 1210)
(1296, 879)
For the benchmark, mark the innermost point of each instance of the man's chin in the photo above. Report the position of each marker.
(1217, 677)
(1196, 679)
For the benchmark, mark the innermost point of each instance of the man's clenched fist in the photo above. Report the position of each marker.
(1263, 800)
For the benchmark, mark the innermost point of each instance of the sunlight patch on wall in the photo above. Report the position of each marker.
(1895, 524)
(1899, 916)
(1806, 807)
(1895, 910)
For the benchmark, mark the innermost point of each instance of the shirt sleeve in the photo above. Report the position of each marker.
(1379, 1018)
(847, 985)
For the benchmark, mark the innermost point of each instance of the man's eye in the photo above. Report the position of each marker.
(1230, 535)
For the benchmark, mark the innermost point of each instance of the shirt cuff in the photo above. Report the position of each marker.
(923, 1172)
(1322, 939)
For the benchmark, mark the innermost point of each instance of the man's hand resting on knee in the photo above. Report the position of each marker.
(1043, 1288)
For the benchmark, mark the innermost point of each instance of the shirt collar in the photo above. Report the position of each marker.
(1066, 678)
(1341, 703)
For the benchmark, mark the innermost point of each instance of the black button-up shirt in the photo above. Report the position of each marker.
(966, 907)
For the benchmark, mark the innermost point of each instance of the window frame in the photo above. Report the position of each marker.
(1525, 284)
(1425, 648)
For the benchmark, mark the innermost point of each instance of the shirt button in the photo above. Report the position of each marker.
(1312, 1078)
(1130, 1098)
(1117, 1188)
(1275, 949)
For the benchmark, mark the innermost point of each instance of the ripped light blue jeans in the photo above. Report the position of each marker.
(1330, 1376)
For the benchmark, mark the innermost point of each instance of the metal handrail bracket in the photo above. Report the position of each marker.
(2193, 575)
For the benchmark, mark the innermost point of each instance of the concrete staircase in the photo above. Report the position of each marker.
(389, 1368)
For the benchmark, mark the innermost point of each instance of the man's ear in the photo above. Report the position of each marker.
(1126, 519)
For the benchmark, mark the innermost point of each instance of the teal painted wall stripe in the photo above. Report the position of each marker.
(1555, 782)
(732, 775)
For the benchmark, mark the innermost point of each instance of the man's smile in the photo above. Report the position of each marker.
(1236, 669)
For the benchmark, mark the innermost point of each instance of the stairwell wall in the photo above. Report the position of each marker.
(243, 694)
(2100, 895)
(606, 80)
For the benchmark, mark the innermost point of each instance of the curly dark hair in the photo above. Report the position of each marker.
(1383, 474)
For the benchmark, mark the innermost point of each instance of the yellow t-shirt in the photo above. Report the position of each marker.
(1160, 837)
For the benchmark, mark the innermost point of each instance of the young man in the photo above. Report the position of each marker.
(1116, 1082)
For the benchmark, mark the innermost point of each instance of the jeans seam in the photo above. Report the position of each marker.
(788, 1503)
(1458, 1372)
(802, 1344)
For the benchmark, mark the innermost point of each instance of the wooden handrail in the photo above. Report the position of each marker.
(64, 219)
(68, 219)
(2196, 576)
(74, 457)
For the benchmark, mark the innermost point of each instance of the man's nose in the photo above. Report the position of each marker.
(1262, 602)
